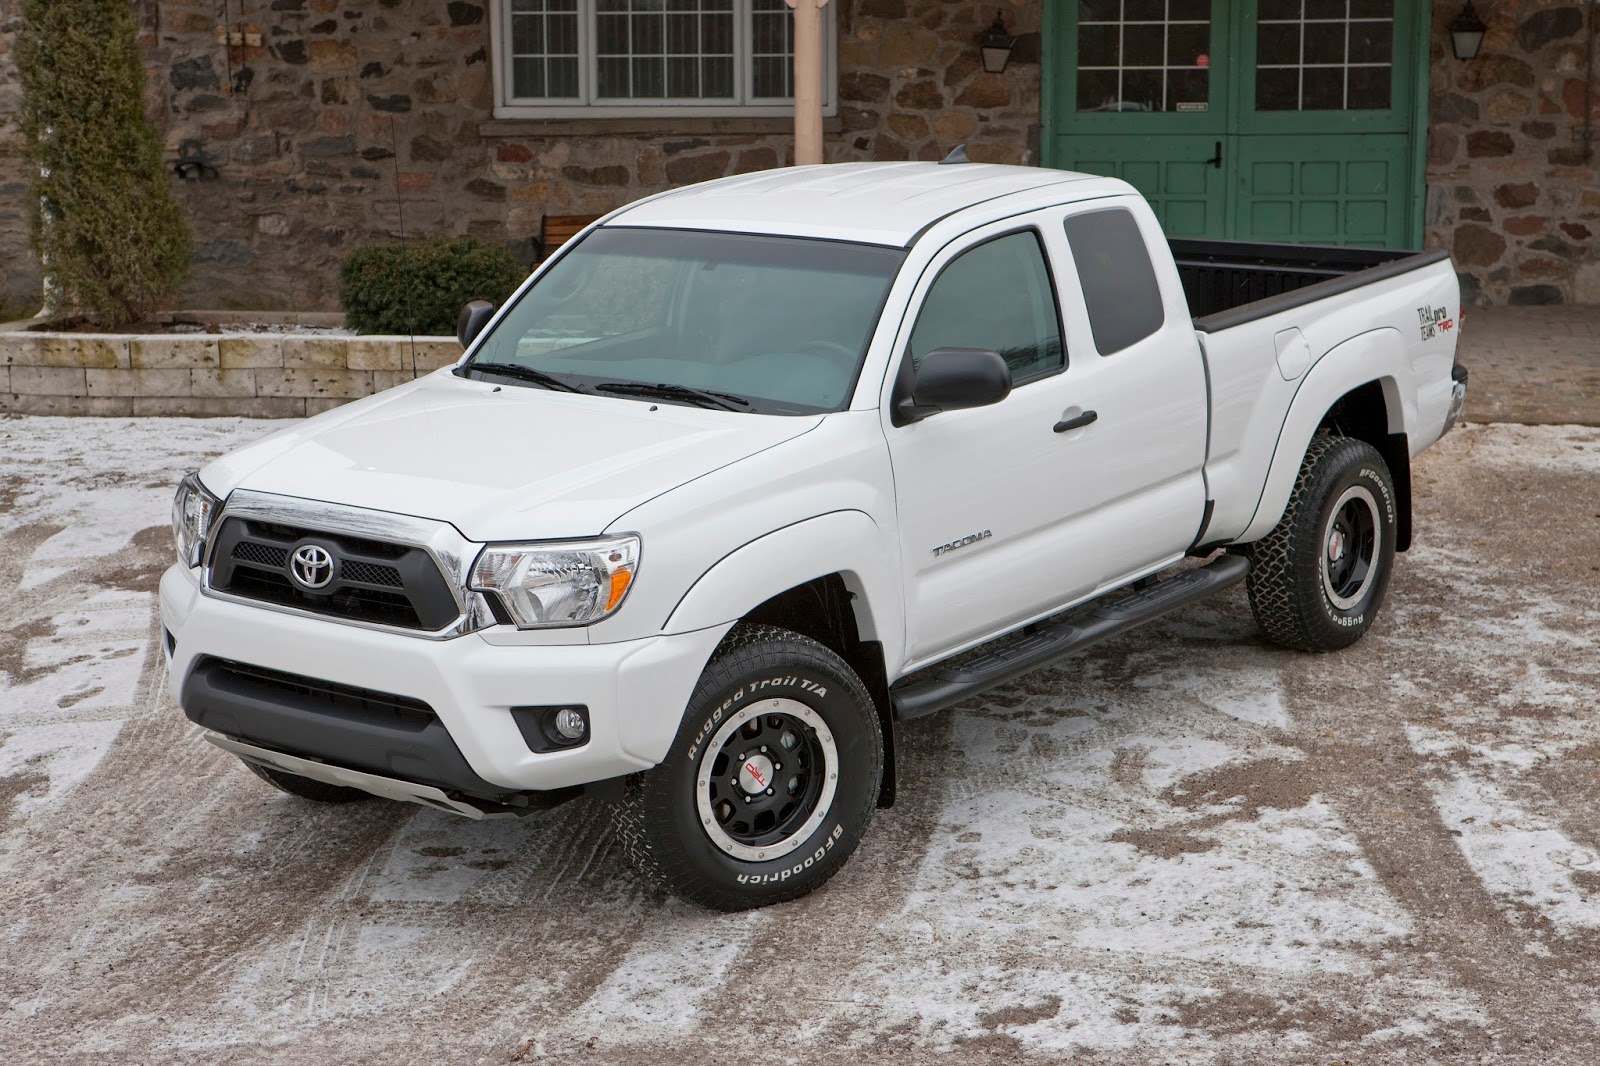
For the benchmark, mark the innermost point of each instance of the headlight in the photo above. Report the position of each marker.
(569, 584)
(193, 511)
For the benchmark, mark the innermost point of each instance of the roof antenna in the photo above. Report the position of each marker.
(958, 154)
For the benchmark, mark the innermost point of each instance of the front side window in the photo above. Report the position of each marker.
(773, 325)
(996, 296)
(600, 58)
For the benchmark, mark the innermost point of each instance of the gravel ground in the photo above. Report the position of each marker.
(1185, 846)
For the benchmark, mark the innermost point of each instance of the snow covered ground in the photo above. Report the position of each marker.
(1185, 846)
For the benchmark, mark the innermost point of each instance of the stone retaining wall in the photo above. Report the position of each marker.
(249, 374)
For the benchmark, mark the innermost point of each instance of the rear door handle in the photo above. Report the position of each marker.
(1216, 159)
(1076, 421)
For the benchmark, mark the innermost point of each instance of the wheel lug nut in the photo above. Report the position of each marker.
(769, 791)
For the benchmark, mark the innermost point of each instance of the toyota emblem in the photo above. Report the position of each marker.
(311, 566)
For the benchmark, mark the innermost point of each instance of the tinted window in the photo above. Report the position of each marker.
(998, 296)
(1119, 284)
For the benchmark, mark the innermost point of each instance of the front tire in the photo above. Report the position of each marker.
(1317, 580)
(770, 782)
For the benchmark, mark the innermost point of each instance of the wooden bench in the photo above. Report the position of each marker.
(559, 229)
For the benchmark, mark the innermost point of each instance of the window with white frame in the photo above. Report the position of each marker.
(633, 58)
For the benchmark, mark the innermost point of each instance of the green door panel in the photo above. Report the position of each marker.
(1322, 190)
(1188, 193)
(1319, 109)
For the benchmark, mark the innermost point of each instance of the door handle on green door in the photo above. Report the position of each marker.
(1216, 160)
(1076, 421)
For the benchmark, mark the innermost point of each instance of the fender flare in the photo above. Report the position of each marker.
(847, 543)
(1377, 355)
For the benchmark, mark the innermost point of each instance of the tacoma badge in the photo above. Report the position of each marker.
(962, 542)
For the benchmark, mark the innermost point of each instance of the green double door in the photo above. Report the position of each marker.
(1300, 121)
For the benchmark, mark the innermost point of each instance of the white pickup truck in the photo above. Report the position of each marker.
(751, 471)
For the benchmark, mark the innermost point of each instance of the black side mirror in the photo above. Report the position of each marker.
(473, 318)
(950, 379)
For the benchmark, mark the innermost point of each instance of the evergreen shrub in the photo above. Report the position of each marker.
(109, 235)
(420, 286)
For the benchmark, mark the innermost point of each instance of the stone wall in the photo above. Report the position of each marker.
(1512, 192)
(254, 375)
(333, 125)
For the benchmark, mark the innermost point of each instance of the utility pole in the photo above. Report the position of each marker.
(807, 81)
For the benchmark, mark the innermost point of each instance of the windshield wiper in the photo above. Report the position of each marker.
(526, 373)
(705, 397)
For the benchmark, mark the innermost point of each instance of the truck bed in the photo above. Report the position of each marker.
(1232, 282)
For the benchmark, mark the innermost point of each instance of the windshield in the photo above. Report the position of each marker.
(777, 325)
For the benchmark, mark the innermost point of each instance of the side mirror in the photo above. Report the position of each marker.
(950, 379)
(473, 318)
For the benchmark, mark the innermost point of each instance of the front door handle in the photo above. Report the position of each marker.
(1076, 421)
(1216, 160)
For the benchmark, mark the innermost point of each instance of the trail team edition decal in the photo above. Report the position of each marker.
(1433, 321)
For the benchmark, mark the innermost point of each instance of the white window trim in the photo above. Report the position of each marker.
(505, 106)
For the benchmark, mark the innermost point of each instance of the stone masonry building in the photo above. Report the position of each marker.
(318, 126)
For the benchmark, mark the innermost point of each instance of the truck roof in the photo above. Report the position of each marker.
(874, 203)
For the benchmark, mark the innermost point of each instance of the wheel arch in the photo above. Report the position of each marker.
(828, 578)
(1362, 388)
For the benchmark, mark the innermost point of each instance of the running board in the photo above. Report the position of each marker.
(952, 684)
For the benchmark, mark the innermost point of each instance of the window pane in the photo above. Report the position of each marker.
(1098, 46)
(996, 296)
(1371, 42)
(1278, 90)
(1325, 9)
(1324, 44)
(527, 77)
(1099, 10)
(563, 75)
(1369, 89)
(1278, 45)
(1280, 9)
(1097, 90)
(1144, 10)
(1119, 284)
(1323, 89)
(716, 79)
(1143, 46)
(613, 77)
(1141, 90)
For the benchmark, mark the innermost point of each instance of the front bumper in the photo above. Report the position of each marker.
(636, 691)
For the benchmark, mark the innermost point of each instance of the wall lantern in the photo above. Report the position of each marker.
(1466, 33)
(996, 46)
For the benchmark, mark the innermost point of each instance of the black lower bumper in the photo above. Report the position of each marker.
(377, 732)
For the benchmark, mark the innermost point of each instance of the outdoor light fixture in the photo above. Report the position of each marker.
(1466, 33)
(996, 45)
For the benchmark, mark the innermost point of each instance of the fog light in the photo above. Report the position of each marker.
(570, 724)
(553, 728)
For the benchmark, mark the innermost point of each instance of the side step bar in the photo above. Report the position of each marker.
(953, 684)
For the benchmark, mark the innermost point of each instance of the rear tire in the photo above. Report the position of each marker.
(305, 788)
(770, 782)
(1317, 580)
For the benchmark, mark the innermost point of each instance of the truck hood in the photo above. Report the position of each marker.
(513, 464)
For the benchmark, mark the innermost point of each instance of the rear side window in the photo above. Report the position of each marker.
(997, 295)
(1119, 284)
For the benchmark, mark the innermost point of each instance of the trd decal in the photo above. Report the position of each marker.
(1433, 321)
